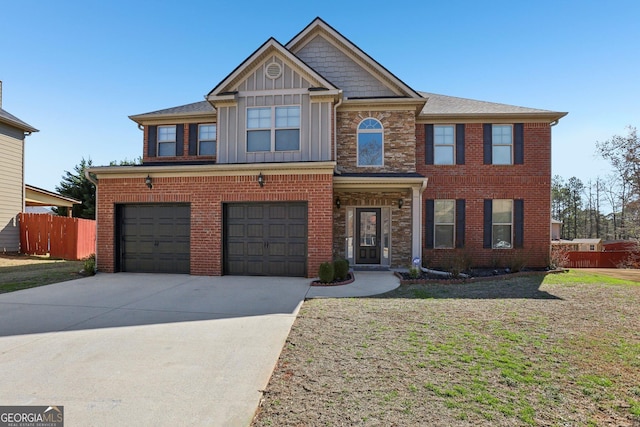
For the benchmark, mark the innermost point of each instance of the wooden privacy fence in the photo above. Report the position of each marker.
(580, 259)
(58, 236)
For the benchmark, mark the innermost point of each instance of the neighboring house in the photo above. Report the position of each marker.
(38, 198)
(556, 229)
(588, 245)
(12, 200)
(312, 150)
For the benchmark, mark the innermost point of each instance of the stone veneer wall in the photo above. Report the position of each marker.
(400, 222)
(399, 141)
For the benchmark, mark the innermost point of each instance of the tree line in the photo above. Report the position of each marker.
(606, 208)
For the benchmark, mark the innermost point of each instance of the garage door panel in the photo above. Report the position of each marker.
(154, 238)
(298, 231)
(255, 230)
(274, 241)
(254, 249)
(255, 212)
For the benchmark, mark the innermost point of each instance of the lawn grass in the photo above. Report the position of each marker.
(22, 272)
(539, 350)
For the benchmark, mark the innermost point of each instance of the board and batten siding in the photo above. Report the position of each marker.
(290, 89)
(11, 187)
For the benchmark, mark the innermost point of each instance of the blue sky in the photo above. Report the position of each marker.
(76, 70)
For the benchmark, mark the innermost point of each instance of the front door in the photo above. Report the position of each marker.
(368, 236)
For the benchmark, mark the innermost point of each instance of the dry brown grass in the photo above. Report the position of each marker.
(561, 350)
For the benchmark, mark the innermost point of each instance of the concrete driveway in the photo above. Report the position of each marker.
(138, 349)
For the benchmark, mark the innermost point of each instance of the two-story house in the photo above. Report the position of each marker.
(12, 190)
(312, 150)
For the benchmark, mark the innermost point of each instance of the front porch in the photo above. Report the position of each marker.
(377, 219)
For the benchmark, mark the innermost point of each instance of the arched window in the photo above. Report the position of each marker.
(370, 143)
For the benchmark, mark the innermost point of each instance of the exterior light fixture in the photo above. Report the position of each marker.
(400, 203)
(338, 202)
(147, 181)
(261, 180)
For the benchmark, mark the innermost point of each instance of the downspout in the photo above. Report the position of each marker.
(94, 181)
(335, 131)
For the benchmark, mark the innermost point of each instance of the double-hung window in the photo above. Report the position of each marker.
(502, 224)
(273, 129)
(443, 145)
(444, 219)
(166, 140)
(207, 140)
(502, 141)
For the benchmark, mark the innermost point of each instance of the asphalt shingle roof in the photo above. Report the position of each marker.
(6, 117)
(443, 104)
(193, 108)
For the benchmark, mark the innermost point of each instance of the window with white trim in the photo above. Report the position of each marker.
(166, 141)
(444, 220)
(443, 145)
(207, 140)
(502, 144)
(273, 129)
(370, 143)
(502, 224)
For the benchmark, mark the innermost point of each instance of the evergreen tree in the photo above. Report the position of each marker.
(77, 186)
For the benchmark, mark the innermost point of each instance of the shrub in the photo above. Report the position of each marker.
(414, 272)
(326, 272)
(89, 266)
(517, 262)
(341, 269)
(559, 256)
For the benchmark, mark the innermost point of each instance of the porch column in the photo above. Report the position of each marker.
(416, 223)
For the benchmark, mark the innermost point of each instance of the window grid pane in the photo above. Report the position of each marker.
(166, 149)
(287, 117)
(502, 218)
(444, 215)
(258, 118)
(207, 132)
(166, 133)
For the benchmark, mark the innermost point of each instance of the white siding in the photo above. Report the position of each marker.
(11, 187)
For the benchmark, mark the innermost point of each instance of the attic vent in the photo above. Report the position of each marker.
(273, 70)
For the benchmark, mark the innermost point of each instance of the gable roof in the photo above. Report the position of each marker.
(268, 48)
(319, 27)
(10, 119)
(443, 106)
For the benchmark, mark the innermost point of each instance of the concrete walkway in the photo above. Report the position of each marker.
(143, 349)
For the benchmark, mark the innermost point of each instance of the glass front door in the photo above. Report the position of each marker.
(368, 236)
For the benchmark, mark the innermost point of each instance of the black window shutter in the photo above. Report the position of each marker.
(428, 144)
(429, 224)
(487, 143)
(179, 140)
(460, 215)
(518, 223)
(460, 144)
(193, 139)
(518, 144)
(152, 140)
(488, 222)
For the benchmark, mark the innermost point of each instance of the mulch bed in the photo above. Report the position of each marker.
(349, 279)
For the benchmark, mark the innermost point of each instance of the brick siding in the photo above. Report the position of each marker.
(475, 182)
(206, 194)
